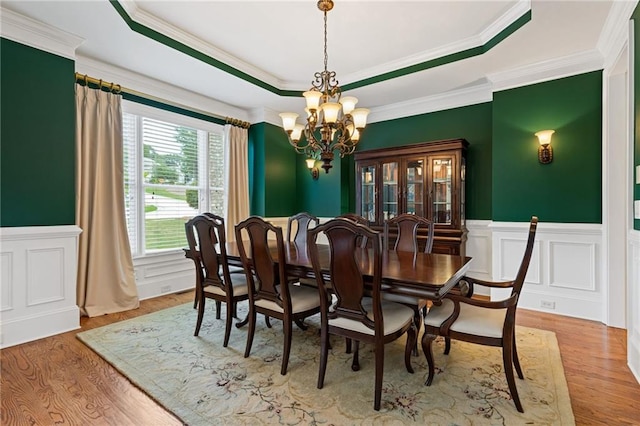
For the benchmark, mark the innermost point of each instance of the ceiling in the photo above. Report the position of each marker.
(253, 55)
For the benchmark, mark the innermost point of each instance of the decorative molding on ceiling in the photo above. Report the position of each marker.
(149, 26)
(486, 36)
(158, 36)
(173, 95)
(174, 33)
(532, 74)
(259, 115)
(36, 34)
(580, 63)
(615, 31)
(471, 95)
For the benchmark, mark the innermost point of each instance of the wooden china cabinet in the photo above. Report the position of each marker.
(426, 179)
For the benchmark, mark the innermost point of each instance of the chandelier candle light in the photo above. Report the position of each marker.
(333, 122)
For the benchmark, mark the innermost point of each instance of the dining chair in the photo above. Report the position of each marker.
(298, 225)
(270, 291)
(491, 323)
(232, 269)
(207, 243)
(401, 234)
(351, 313)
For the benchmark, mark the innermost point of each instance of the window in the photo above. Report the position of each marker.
(173, 170)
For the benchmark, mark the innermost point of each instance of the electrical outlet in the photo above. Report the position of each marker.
(165, 289)
(547, 304)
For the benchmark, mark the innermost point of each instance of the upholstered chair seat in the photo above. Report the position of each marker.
(472, 319)
(238, 282)
(302, 299)
(395, 316)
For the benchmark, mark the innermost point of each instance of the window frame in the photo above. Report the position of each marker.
(204, 189)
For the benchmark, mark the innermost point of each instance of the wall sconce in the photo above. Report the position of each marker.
(311, 165)
(545, 152)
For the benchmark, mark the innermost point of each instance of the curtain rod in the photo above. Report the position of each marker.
(117, 88)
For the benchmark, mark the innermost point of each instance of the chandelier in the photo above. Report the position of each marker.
(333, 122)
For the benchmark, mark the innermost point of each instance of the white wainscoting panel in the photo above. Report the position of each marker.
(478, 247)
(577, 270)
(163, 273)
(564, 276)
(38, 287)
(633, 304)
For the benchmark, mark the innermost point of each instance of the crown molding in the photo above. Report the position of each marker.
(158, 89)
(472, 95)
(566, 66)
(507, 18)
(258, 115)
(495, 28)
(615, 31)
(36, 34)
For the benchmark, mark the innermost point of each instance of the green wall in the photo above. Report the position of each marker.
(505, 182)
(472, 123)
(281, 184)
(570, 188)
(273, 185)
(319, 197)
(37, 134)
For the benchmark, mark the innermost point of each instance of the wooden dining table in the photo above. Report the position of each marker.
(425, 275)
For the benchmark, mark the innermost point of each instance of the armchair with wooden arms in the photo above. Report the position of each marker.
(490, 323)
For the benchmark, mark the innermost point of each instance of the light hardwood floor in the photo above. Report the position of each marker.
(59, 381)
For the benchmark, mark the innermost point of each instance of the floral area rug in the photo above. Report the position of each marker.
(205, 384)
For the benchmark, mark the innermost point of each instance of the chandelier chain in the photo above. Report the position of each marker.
(326, 55)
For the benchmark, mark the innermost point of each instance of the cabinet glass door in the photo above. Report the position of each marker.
(368, 197)
(389, 190)
(415, 187)
(441, 191)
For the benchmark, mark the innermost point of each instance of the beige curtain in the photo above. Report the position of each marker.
(106, 282)
(236, 206)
